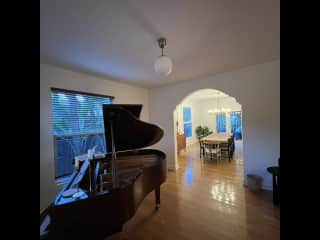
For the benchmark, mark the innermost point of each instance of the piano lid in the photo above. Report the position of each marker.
(129, 131)
(135, 109)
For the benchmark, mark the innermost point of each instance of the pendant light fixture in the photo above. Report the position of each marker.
(219, 109)
(163, 64)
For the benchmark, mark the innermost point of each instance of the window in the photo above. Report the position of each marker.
(77, 120)
(236, 124)
(187, 121)
(221, 122)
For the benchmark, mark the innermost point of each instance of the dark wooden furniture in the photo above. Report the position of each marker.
(202, 148)
(226, 149)
(114, 186)
(225, 142)
(275, 171)
(212, 150)
(232, 143)
(181, 141)
(204, 135)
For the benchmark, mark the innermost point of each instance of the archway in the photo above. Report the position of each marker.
(213, 110)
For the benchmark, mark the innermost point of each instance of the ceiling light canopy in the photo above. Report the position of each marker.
(163, 64)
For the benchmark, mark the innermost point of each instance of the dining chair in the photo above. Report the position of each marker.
(227, 149)
(213, 150)
(202, 148)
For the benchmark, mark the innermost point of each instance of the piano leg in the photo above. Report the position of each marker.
(157, 194)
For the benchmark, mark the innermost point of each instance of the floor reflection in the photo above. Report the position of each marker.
(223, 192)
(205, 201)
(188, 176)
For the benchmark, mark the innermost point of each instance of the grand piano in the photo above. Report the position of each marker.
(105, 191)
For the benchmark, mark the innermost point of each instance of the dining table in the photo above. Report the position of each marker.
(217, 138)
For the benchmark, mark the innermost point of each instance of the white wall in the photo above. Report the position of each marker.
(256, 88)
(51, 76)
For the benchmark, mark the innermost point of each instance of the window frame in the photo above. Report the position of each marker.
(62, 179)
(187, 122)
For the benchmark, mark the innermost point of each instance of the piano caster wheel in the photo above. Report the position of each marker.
(157, 206)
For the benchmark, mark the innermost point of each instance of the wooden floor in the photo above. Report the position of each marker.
(205, 200)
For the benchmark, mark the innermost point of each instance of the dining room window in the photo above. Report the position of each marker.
(221, 123)
(187, 121)
(236, 124)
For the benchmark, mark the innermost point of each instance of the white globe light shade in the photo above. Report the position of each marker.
(163, 65)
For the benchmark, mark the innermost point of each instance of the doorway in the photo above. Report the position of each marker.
(208, 112)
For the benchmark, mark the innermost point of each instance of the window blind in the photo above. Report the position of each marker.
(77, 120)
(75, 113)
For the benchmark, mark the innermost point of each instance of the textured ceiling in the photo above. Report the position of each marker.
(118, 39)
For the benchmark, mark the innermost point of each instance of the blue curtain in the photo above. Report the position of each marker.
(187, 121)
(187, 114)
(188, 129)
(221, 123)
(236, 125)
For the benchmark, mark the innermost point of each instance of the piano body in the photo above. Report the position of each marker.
(111, 188)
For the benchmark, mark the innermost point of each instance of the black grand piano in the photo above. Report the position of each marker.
(104, 192)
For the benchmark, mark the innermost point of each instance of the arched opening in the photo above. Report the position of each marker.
(208, 114)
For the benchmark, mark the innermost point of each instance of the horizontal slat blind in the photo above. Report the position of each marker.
(77, 126)
(74, 113)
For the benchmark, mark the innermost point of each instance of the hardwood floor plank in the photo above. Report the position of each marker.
(205, 200)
